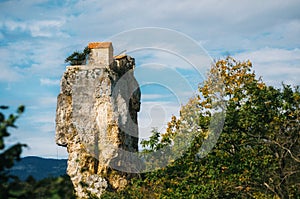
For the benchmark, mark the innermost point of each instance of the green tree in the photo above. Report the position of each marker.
(78, 58)
(257, 154)
(8, 156)
(11, 186)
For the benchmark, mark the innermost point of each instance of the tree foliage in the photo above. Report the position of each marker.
(78, 58)
(11, 186)
(59, 188)
(11, 154)
(257, 154)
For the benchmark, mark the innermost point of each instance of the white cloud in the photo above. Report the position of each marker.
(275, 65)
(49, 82)
(8, 74)
(46, 28)
(47, 101)
(153, 96)
(37, 35)
(43, 118)
(42, 28)
(268, 54)
(156, 115)
(39, 146)
(35, 58)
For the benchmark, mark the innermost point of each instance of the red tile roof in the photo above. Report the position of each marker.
(99, 45)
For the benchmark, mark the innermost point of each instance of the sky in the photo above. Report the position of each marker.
(37, 35)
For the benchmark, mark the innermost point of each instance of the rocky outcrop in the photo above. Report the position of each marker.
(96, 119)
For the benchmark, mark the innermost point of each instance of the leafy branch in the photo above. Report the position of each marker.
(78, 58)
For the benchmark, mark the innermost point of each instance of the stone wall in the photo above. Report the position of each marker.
(96, 119)
(101, 54)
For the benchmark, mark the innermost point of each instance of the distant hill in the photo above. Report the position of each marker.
(39, 168)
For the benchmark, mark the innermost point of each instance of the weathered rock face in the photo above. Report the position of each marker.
(96, 119)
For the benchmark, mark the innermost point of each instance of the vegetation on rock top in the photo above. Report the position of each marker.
(78, 58)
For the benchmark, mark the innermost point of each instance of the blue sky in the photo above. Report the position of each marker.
(37, 35)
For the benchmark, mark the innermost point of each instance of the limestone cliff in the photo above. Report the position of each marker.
(96, 119)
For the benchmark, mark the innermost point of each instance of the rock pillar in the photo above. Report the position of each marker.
(96, 119)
